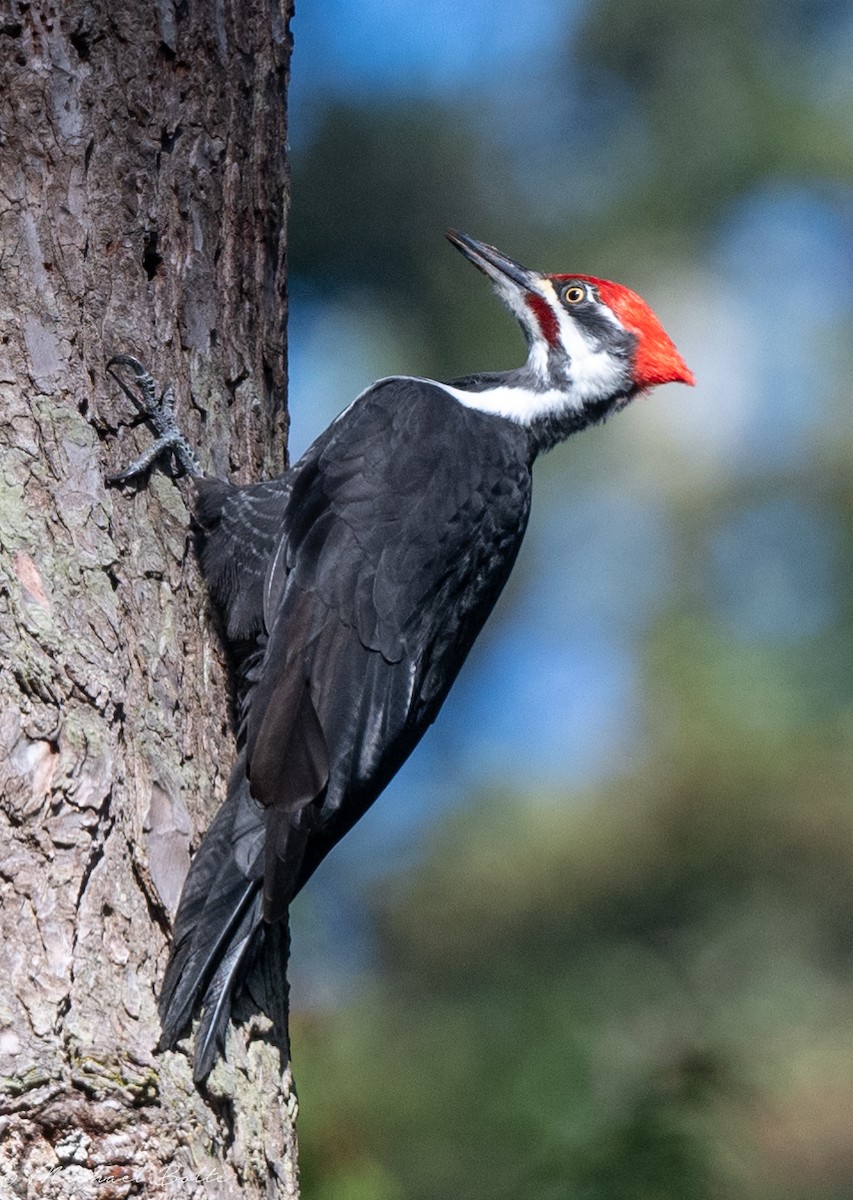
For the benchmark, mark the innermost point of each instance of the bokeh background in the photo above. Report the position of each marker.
(596, 941)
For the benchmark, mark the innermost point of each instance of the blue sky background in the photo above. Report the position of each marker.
(555, 696)
(385, 49)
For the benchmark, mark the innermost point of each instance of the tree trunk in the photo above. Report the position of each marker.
(142, 210)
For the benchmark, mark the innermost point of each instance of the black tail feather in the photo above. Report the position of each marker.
(196, 962)
(220, 992)
(219, 930)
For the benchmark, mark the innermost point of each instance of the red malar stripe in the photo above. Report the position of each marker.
(545, 316)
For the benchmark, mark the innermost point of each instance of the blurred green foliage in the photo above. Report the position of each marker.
(644, 992)
(645, 995)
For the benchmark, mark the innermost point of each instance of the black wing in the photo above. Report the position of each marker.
(363, 576)
(401, 528)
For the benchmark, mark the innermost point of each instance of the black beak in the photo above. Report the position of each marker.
(491, 262)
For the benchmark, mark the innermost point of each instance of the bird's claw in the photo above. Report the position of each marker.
(160, 412)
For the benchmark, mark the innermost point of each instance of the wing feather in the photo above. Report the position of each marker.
(384, 541)
(361, 580)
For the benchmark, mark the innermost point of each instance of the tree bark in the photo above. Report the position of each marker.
(143, 193)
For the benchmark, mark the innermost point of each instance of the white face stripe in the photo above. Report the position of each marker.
(537, 359)
(594, 373)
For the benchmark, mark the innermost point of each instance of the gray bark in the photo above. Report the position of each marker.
(142, 210)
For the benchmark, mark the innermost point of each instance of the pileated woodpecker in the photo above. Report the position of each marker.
(360, 579)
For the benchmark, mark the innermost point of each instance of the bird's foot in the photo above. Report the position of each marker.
(161, 414)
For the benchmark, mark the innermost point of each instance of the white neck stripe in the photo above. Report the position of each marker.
(516, 403)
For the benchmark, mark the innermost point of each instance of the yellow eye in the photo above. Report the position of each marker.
(574, 294)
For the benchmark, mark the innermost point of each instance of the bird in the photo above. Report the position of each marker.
(353, 587)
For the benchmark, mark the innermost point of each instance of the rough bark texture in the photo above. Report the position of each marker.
(142, 201)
